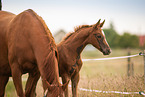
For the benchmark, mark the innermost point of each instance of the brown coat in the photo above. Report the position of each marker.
(72, 45)
(27, 46)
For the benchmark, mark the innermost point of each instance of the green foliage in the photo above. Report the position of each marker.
(112, 37)
(120, 41)
(129, 41)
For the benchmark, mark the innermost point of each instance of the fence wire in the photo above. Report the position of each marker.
(111, 58)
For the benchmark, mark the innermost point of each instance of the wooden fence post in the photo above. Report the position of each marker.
(132, 69)
(128, 65)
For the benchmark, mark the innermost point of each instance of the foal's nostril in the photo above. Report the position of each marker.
(109, 51)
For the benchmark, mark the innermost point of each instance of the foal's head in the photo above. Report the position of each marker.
(97, 38)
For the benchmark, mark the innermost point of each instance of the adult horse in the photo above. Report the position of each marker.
(70, 48)
(27, 46)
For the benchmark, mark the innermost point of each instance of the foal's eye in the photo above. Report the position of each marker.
(99, 36)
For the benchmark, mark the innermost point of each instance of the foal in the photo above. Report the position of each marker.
(70, 48)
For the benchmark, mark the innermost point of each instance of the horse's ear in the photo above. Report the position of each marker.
(101, 25)
(65, 85)
(95, 26)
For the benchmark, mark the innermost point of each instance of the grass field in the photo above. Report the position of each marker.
(109, 75)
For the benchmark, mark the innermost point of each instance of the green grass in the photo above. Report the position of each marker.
(10, 90)
(107, 75)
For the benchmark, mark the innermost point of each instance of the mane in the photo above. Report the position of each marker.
(52, 75)
(49, 62)
(76, 30)
(82, 26)
(50, 65)
(28, 21)
(39, 18)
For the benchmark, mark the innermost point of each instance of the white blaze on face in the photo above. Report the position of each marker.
(104, 37)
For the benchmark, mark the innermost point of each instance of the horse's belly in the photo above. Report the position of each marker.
(28, 67)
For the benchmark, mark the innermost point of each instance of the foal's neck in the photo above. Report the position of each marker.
(78, 41)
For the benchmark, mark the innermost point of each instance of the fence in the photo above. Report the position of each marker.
(122, 57)
(113, 58)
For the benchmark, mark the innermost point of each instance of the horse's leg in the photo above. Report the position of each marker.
(3, 82)
(64, 80)
(75, 79)
(16, 75)
(30, 89)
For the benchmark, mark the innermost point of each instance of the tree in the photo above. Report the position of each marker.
(125, 40)
(120, 41)
(111, 36)
(129, 41)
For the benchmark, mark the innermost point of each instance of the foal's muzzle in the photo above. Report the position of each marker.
(106, 51)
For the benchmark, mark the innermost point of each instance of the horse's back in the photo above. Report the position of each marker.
(6, 14)
(5, 18)
(23, 38)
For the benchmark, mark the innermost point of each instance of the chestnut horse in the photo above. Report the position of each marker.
(27, 46)
(70, 48)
